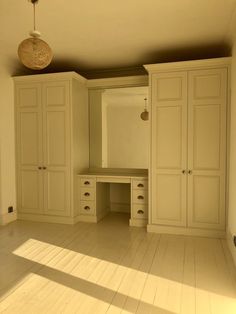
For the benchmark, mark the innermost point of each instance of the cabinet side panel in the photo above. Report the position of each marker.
(80, 136)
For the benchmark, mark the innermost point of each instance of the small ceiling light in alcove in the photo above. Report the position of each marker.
(33, 52)
(145, 114)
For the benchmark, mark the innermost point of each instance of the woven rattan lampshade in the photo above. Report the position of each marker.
(33, 52)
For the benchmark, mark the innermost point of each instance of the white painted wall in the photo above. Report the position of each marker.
(232, 166)
(127, 137)
(7, 145)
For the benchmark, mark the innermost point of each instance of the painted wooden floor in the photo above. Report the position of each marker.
(112, 268)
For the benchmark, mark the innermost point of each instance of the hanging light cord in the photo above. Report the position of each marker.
(34, 2)
(145, 106)
(34, 16)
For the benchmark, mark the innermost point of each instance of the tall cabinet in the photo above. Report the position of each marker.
(51, 144)
(188, 146)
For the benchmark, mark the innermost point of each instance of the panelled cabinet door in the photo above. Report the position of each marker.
(56, 148)
(169, 153)
(207, 148)
(29, 148)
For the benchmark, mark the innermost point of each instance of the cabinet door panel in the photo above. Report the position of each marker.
(206, 191)
(206, 137)
(29, 148)
(169, 153)
(169, 198)
(207, 148)
(28, 96)
(29, 191)
(56, 94)
(169, 137)
(56, 138)
(56, 191)
(29, 138)
(56, 134)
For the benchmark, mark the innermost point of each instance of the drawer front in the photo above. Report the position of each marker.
(87, 208)
(140, 184)
(140, 211)
(140, 196)
(87, 194)
(88, 182)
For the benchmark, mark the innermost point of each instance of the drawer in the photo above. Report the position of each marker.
(87, 194)
(140, 184)
(87, 208)
(88, 182)
(140, 196)
(140, 211)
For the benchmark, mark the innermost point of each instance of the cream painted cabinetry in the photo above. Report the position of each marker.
(94, 196)
(188, 146)
(139, 202)
(51, 144)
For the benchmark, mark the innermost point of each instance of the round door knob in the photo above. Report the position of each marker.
(190, 172)
(183, 171)
(39, 168)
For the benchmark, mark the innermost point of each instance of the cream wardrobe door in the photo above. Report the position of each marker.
(56, 147)
(169, 152)
(29, 148)
(207, 148)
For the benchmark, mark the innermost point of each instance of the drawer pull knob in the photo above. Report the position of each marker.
(86, 207)
(86, 182)
(86, 194)
(39, 168)
(140, 211)
(140, 197)
(140, 185)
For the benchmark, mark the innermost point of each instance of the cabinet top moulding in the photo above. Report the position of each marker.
(50, 77)
(188, 65)
(124, 81)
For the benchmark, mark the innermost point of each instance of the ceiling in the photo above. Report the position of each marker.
(93, 37)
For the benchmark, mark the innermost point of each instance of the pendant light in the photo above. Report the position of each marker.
(145, 114)
(33, 52)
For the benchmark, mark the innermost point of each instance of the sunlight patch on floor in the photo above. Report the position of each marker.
(128, 281)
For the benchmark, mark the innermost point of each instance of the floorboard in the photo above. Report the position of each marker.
(110, 267)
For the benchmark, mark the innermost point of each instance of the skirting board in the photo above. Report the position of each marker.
(120, 207)
(7, 218)
(46, 218)
(86, 218)
(186, 231)
(58, 219)
(138, 222)
(231, 246)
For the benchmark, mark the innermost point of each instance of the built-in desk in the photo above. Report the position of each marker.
(94, 196)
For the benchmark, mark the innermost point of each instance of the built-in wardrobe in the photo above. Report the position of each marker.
(51, 145)
(188, 157)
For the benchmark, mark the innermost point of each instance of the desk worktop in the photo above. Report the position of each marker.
(114, 177)
(108, 174)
